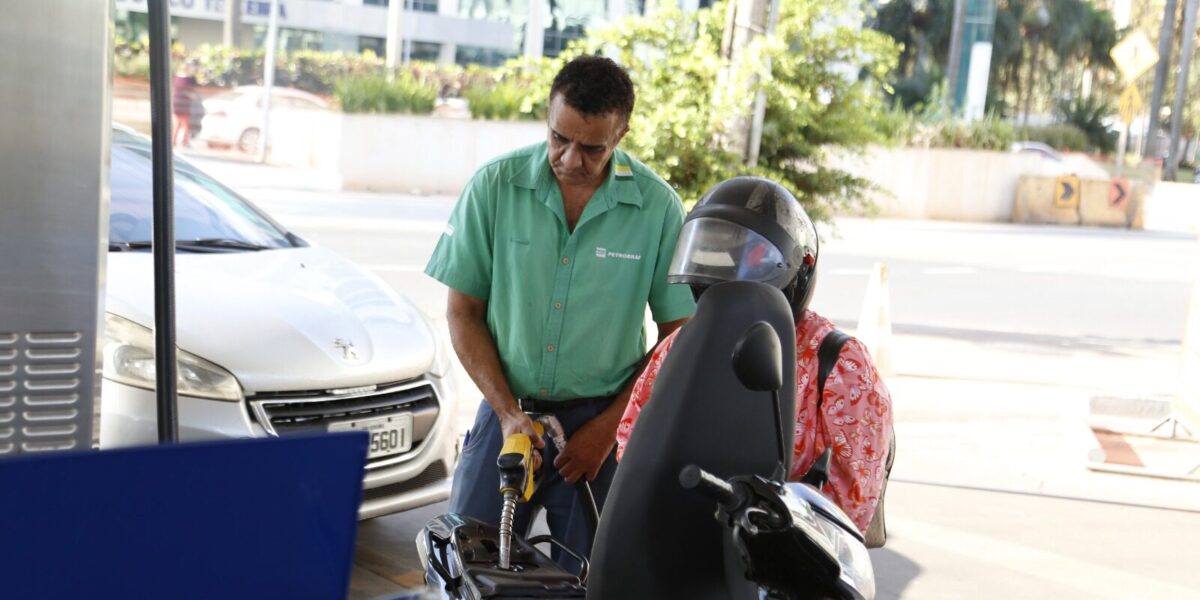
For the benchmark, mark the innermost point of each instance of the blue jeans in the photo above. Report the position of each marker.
(476, 488)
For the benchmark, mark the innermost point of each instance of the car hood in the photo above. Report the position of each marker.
(281, 320)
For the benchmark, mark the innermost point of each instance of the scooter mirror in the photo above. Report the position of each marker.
(758, 359)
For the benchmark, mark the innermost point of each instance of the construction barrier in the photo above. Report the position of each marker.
(1071, 200)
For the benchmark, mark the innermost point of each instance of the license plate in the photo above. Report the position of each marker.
(389, 435)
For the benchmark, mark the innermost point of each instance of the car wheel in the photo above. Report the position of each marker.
(248, 141)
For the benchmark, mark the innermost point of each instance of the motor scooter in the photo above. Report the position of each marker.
(699, 507)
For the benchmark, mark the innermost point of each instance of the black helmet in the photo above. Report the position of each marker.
(748, 229)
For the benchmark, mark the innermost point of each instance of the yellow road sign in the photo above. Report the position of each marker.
(1134, 55)
(1130, 104)
(1066, 191)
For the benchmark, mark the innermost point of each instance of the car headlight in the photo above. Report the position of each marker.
(129, 359)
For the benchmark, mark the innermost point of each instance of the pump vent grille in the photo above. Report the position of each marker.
(40, 384)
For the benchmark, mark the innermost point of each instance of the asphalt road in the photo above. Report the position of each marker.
(1028, 280)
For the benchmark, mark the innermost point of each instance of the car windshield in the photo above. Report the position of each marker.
(205, 210)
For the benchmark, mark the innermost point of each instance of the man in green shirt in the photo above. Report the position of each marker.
(551, 256)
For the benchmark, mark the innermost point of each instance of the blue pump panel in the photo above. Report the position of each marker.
(270, 518)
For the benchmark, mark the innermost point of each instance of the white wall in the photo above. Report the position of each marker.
(943, 183)
(305, 138)
(432, 155)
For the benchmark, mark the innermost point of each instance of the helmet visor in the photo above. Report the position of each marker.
(712, 250)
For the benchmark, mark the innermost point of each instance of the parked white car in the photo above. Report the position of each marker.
(275, 336)
(234, 118)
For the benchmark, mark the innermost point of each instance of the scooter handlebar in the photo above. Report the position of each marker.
(693, 477)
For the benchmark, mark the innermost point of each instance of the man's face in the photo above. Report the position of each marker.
(580, 145)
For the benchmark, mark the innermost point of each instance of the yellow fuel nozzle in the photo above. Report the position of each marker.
(516, 465)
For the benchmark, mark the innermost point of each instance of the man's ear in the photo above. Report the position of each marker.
(624, 130)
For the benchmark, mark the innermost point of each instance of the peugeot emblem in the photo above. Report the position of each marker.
(347, 346)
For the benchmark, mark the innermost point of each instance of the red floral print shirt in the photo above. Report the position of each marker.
(855, 418)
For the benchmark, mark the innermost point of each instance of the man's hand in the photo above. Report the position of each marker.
(519, 422)
(587, 449)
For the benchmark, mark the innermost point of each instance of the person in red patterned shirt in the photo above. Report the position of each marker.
(749, 228)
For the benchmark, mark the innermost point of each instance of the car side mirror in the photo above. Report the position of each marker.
(758, 359)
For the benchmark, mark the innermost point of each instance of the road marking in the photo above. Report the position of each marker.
(949, 271)
(1095, 580)
(400, 268)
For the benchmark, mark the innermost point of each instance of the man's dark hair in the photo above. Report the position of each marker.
(595, 86)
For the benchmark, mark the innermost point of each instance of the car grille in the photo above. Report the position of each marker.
(434, 473)
(283, 413)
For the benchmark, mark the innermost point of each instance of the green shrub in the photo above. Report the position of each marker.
(504, 100)
(375, 94)
(989, 133)
(1089, 114)
(319, 72)
(1060, 136)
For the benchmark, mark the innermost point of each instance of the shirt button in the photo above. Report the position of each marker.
(543, 392)
(558, 306)
(566, 260)
(550, 348)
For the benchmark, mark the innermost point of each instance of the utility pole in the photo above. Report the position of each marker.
(233, 23)
(1181, 87)
(268, 80)
(395, 37)
(956, 43)
(745, 20)
(760, 99)
(1042, 19)
(1166, 35)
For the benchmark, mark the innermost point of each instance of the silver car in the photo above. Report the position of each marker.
(275, 336)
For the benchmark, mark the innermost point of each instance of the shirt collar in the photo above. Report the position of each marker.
(620, 184)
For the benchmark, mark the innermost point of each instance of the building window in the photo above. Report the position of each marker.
(556, 40)
(473, 55)
(291, 40)
(429, 6)
(424, 51)
(374, 44)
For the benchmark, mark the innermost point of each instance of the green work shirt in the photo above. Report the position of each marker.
(566, 309)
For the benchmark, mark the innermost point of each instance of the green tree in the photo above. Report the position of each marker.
(1076, 38)
(823, 95)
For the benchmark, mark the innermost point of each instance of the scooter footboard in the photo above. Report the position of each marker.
(461, 558)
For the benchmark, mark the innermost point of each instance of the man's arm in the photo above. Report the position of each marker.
(476, 349)
(591, 444)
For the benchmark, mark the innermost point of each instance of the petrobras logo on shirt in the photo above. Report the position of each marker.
(449, 230)
(606, 253)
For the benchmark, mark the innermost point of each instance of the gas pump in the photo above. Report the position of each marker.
(235, 518)
(54, 116)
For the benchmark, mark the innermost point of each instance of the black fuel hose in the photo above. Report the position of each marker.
(588, 499)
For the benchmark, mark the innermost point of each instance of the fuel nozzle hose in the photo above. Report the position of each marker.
(516, 484)
(507, 513)
(555, 431)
